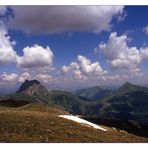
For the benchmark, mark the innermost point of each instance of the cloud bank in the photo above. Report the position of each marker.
(53, 19)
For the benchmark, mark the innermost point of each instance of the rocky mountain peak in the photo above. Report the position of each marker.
(27, 84)
(126, 84)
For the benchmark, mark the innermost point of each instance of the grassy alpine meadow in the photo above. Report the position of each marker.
(39, 123)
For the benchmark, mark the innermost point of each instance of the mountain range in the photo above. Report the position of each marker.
(128, 103)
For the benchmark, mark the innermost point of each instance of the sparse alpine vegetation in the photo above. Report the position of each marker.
(38, 122)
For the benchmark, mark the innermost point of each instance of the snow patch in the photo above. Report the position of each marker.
(82, 121)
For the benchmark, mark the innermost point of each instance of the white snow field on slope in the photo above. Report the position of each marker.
(82, 121)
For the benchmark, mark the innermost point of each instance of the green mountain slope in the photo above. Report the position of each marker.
(92, 93)
(70, 102)
(128, 102)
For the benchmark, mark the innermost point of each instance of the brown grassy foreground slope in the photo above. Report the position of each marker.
(40, 123)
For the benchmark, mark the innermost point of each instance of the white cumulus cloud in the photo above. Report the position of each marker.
(35, 57)
(83, 69)
(118, 54)
(144, 53)
(7, 53)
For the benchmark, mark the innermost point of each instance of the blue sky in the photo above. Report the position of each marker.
(98, 40)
